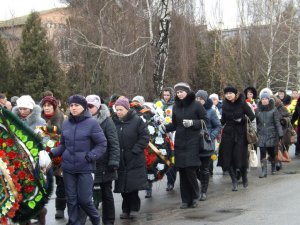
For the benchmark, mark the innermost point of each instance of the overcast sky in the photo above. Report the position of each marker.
(14, 8)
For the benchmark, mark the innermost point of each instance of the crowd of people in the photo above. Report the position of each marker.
(102, 144)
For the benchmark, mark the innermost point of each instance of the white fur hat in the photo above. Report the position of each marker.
(268, 90)
(25, 101)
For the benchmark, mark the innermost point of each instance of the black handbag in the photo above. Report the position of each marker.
(205, 140)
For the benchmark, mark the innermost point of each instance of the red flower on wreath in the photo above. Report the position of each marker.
(4, 221)
(20, 198)
(10, 142)
(30, 177)
(18, 187)
(1, 141)
(11, 213)
(2, 154)
(150, 158)
(17, 164)
(12, 155)
(22, 175)
(29, 188)
(16, 206)
(11, 169)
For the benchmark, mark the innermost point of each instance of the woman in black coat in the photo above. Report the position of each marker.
(186, 117)
(132, 174)
(107, 165)
(233, 153)
(269, 131)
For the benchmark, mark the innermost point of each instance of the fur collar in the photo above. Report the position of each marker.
(103, 113)
(33, 117)
(268, 107)
(238, 99)
(186, 101)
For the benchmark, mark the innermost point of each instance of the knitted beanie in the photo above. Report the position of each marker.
(123, 102)
(51, 100)
(139, 99)
(265, 95)
(202, 94)
(181, 86)
(93, 100)
(214, 96)
(25, 101)
(78, 99)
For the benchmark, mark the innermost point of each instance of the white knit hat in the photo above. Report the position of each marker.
(25, 101)
(93, 100)
(140, 99)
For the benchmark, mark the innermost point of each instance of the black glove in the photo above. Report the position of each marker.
(50, 155)
(280, 138)
(112, 168)
(87, 158)
(283, 122)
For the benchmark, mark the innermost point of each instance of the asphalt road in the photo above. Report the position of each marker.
(273, 200)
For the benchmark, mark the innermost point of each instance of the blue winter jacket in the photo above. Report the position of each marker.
(82, 143)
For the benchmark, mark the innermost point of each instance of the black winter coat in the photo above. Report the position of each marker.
(233, 150)
(133, 138)
(111, 158)
(187, 140)
(268, 126)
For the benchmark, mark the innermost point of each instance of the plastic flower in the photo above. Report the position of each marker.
(22, 175)
(12, 155)
(17, 164)
(168, 119)
(4, 220)
(10, 142)
(8, 205)
(2, 154)
(168, 112)
(159, 104)
(11, 213)
(29, 188)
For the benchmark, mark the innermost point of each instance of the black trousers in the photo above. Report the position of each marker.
(108, 205)
(271, 151)
(189, 187)
(131, 202)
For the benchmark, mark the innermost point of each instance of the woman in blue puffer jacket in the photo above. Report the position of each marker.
(82, 143)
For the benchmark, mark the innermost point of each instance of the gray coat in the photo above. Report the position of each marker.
(268, 125)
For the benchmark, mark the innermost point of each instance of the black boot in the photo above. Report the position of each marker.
(263, 163)
(273, 167)
(60, 205)
(97, 195)
(244, 173)
(204, 183)
(232, 173)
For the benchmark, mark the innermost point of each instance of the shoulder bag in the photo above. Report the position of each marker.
(251, 132)
(205, 140)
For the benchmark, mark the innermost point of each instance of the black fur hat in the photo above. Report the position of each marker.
(252, 90)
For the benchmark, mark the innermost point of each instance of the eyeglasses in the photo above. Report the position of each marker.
(90, 106)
